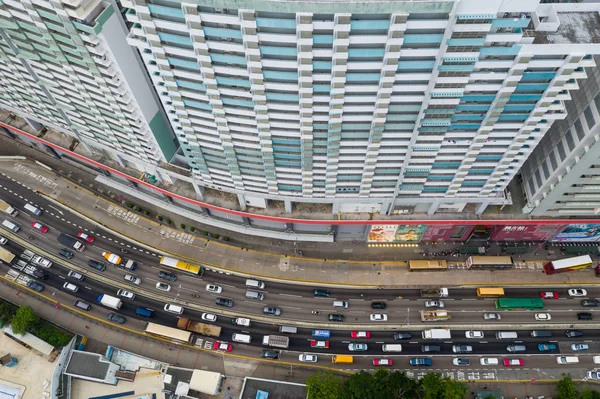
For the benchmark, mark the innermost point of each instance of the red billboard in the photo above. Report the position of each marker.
(524, 233)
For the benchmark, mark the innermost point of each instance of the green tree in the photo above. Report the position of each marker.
(6, 313)
(566, 389)
(406, 387)
(23, 319)
(453, 389)
(589, 394)
(431, 386)
(324, 385)
(360, 386)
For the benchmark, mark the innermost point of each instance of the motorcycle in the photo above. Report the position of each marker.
(124, 251)
(195, 296)
(316, 312)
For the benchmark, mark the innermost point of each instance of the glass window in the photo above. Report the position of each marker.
(552, 158)
(579, 129)
(545, 169)
(570, 141)
(531, 186)
(561, 150)
(538, 177)
(597, 101)
(589, 117)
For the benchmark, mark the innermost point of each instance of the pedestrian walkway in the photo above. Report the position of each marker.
(216, 255)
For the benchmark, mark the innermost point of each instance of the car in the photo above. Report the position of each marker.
(584, 316)
(34, 285)
(224, 302)
(382, 362)
(461, 361)
(96, 265)
(336, 317)
(573, 333)
(378, 305)
(547, 347)
(211, 318)
(132, 279)
(378, 317)
(215, 289)
(319, 344)
(40, 227)
(222, 346)
(549, 295)
(542, 316)
(597, 271)
(86, 237)
(577, 292)
(355, 347)
(579, 347)
(590, 303)
(38, 260)
(269, 354)
(75, 275)
(420, 361)
(474, 334)
(430, 348)
(434, 304)
(125, 294)
(3, 240)
(307, 358)
(116, 318)
(42, 275)
(273, 311)
(402, 335)
(167, 276)
(321, 293)
(596, 359)
(462, 348)
(163, 287)
(513, 362)
(360, 334)
(492, 316)
(65, 253)
(593, 375)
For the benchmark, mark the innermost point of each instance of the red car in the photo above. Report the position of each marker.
(86, 237)
(40, 227)
(382, 362)
(319, 344)
(222, 346)
(549, 295)
(513, 362)
(361, 334)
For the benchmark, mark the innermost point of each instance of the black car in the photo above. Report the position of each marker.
(224, 302)
(42, 275)
(378, 305)
(574, 333)
(336, 317)
(402, 335)
(96, 265)
(430, 348)
(34, 285)
(269, 354)
(115, 318)
(65, 253)
(590, 303)
(167, 276)
(584, 316)
(319, 292)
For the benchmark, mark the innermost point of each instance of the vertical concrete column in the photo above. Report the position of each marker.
(481, 208)
(34, 125)
(288, 206)
(433, 207)
(335, 208)
(242, 201)
(199, 190)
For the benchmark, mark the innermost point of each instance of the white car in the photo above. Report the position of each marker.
(163, 287)
(132, 279)
(577, 292)
(211, 318)
(593, 375)
(543, 316)
(378, 317)
(126, 294)
(38, 260)
(596, 359)
(434, 304)
(492, 316)
(215, 289)
(306, 358)
(474, 334)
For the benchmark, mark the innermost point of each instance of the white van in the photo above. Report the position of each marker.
(70, 287)
(340, 304)
(391, 348)
(258, 296)
(7, 224)
(506, 335)
(173, 308)
(288, 329)
(243, 338)
(489, 361)
(33, 209)
(259, 285)
(567, 359)
(240, 321)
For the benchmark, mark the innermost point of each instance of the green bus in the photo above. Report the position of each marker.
(519, 303)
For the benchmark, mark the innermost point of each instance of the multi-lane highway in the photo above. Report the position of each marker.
(297, 301)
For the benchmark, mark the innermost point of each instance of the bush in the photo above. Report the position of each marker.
(51, 334)
(146, 212)
(225, 238)
(159, 217)
(6, 313)
(206, 233)
(169, 221)
(129, 205)
(137, 208)
(192, 229)
(215, 236)
(182, 226)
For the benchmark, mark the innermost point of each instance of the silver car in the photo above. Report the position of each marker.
(357, 347)
(132, 279)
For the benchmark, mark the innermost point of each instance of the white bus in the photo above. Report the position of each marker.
(569, 264)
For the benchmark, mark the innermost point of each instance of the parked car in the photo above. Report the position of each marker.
(34, 285)
(116, 318)
(593, 375)
(420, 361)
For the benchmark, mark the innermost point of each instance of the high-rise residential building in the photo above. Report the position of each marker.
(67, 65)
(562, 176)
(390, 106)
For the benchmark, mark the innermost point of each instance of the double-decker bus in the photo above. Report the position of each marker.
(168, 332)
(490, 292)
(519, 303)
(568, 265)
(489, 262)
(427, 265)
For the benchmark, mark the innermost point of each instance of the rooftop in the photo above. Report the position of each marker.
(575, 27)
(92, 366)
(276, 389)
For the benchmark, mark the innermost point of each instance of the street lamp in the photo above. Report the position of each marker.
(177, 296)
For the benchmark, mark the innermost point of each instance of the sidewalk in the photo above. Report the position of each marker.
(217, 255)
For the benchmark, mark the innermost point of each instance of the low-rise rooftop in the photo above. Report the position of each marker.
(574, 28)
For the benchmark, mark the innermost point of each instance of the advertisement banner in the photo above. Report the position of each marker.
(400, 234)
(579, 232)
(524, 233)
(382, 233)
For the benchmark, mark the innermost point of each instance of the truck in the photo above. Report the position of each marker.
(434, 315)
(276, 341)
(110, 301)
(436, 333)
(70, 242)
(6, 256)
(27, 254)
(435, 293)
(17, 277)
(199, 328)
(6, 208)
(119, 261)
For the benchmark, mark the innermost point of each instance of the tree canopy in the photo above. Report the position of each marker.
(23, 319)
